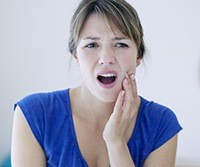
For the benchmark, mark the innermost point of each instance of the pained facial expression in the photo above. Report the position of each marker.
(104, 56)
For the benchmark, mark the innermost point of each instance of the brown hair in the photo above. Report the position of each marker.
(116, 12)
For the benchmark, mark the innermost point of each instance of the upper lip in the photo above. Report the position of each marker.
(107, 72)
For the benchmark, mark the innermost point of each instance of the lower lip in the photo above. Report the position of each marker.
(107, 86)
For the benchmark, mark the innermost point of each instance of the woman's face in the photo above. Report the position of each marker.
(104, 56)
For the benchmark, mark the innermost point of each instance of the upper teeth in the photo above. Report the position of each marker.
(108, 75)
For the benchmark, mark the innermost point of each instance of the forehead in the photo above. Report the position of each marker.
(97, 25)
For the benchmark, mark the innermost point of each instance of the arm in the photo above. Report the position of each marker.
(119, 155)
(117, 130)
(163, 156)
(25, 149)
(116, 133)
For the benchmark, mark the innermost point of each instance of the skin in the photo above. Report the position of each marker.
(99, 49)
(103, 128)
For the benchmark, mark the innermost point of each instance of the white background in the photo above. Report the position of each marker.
(34, 58)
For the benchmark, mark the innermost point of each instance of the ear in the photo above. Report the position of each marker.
(138, 60)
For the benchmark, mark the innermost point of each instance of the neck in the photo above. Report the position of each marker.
(90, 106)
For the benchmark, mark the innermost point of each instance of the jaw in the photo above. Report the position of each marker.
(97, 95)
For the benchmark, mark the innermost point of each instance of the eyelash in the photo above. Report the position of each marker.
(117, 45)
(121, 45)
(92, 45)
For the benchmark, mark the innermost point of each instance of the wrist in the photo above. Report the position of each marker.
(119, 154)
(116, 145)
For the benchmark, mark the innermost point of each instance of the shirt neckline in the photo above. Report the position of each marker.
(74, 132)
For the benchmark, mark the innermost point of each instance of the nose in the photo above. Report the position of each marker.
(107, 57)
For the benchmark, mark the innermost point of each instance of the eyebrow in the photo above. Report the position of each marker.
(91, 38)
(113, 39)
(119, 38)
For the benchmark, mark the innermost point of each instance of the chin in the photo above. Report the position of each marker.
(107, 97)
(107, 100)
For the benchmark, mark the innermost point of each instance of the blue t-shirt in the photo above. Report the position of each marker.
(49, 116)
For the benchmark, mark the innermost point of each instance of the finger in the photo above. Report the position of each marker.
(119, 103)
(127, 83)
(135, 92)
(128, 97)
(134, 85)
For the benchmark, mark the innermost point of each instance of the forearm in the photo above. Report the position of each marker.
(119, 155)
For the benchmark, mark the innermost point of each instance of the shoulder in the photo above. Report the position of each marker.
(50, 106)
(46, 96)
(44, 112)
(154, 111)
(43, 100)
(159, 121)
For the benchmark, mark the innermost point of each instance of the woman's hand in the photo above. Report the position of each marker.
(117, 129)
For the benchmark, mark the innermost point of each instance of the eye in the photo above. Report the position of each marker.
(92, 45)
(121, 45)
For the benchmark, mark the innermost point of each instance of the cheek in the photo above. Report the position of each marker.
(86, 64)
(128, 63)
(84, 59)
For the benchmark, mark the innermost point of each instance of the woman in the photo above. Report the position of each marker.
(103, 122)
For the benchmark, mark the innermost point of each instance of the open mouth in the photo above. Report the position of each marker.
(107, 78)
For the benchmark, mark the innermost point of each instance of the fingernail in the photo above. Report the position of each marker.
(133, 77)
(122, 93)
(126, 81)
(127, 75)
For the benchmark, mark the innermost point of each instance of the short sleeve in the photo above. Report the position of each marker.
(167, 128)
(33, 112)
